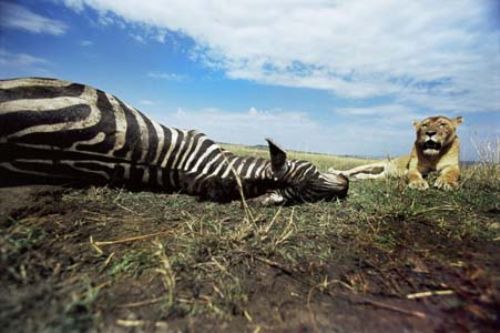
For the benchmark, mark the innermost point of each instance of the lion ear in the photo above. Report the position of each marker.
(416, 123)
(458, 120)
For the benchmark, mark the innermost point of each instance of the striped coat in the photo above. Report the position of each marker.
(54, 131)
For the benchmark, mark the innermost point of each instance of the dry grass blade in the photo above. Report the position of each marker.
(441, 208)
(275, 264)
(131, 239)
(363, 300)
(107, 261)
(95, 246)
(430, 293)
(142, 303)
(166, 272)
(130, 323)
(127, 209)
(268, 227)
(248, 212)
(287, 232)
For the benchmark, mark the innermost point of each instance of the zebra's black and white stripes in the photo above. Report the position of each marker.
(63, 132)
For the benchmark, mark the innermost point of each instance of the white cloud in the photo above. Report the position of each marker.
(14, 16)
(10, 59)
(167, 76)
(138, 38)
(76, 5)
(437, 55)
(250, 127)
(14, 64)
(291, 129)
(392, 109)
(388, 115)
(360, 135)
(86, 43)
(146, 102)
(143, 34)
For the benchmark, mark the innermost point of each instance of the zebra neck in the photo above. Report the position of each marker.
(225, 176)
(245, 168)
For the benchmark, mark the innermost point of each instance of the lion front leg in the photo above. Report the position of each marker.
(448, 178)
(416, 181)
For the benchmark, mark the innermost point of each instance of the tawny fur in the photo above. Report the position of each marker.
(436, 148)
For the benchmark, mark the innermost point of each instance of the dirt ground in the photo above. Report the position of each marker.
(176, 276)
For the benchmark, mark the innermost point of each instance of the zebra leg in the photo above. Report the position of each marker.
(216, 189)
(268, 199)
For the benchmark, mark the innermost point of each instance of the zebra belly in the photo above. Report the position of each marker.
(28, 164)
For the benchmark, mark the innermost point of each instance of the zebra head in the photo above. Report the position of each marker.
(301, 181)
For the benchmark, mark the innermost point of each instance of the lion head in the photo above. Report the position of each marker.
(434, 134)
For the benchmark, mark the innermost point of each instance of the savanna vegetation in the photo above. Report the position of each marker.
(385, 259)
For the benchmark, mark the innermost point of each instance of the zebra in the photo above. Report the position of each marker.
(59, 132)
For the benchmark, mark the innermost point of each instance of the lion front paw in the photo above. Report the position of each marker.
(419, 184)
(446, 185)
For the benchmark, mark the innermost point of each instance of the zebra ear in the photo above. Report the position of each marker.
(278, 156)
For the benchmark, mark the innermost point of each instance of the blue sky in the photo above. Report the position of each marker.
(334, 76)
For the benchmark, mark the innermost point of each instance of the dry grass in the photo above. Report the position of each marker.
(488, 153)
(322, 161)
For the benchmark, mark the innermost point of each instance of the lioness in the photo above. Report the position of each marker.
(436, 148)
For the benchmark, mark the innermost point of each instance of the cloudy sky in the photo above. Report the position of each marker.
(334, 76)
